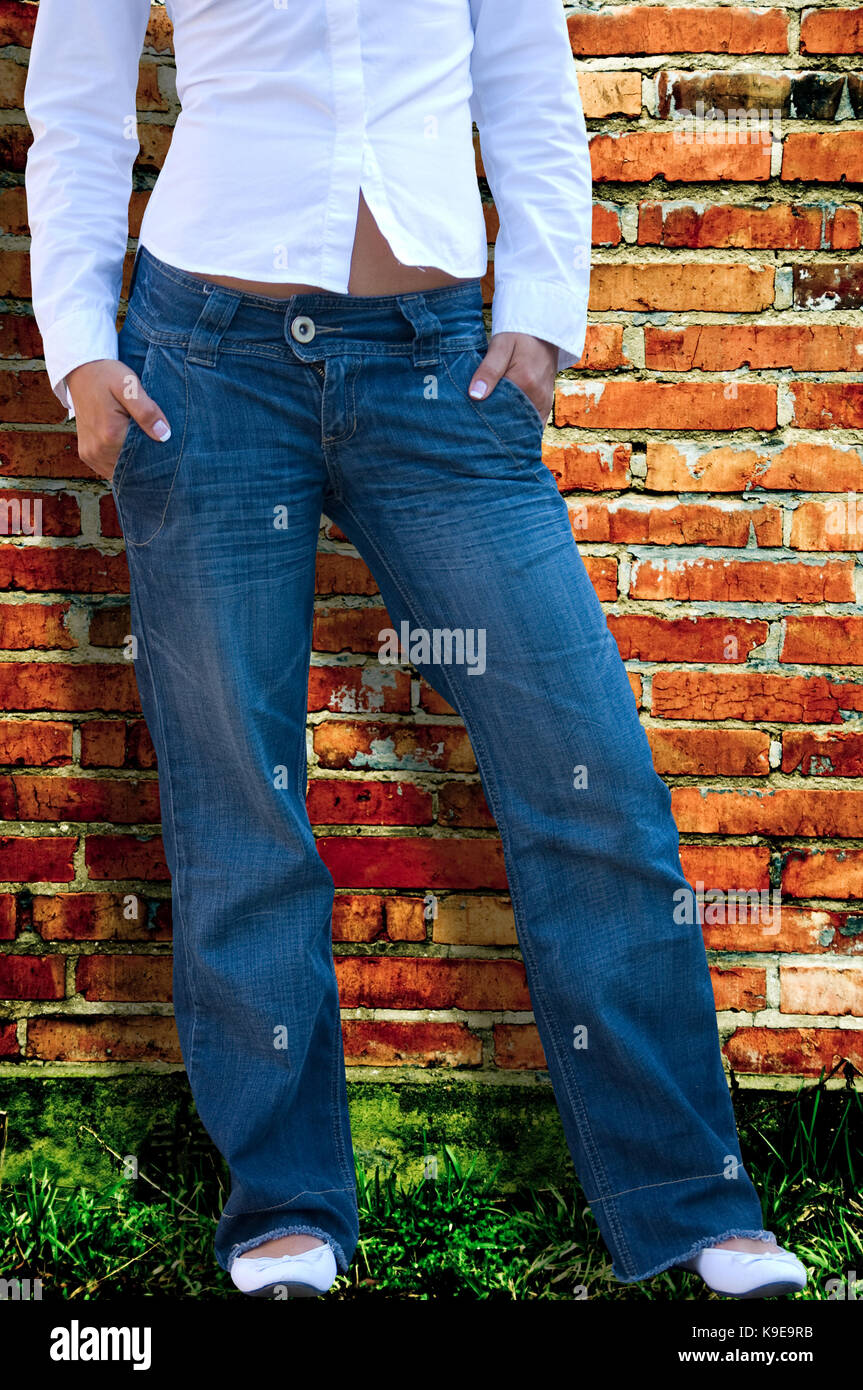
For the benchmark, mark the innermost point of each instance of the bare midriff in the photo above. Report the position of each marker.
(374, 269)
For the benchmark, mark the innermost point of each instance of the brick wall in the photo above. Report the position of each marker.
(710, 447)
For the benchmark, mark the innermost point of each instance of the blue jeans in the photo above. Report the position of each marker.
(357, 407)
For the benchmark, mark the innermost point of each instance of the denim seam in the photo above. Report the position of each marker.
(570, 1081)
(336, 1109)
(169, 810)
(281, 1206)
(141, 545)
(648, 1186)
(125, 454)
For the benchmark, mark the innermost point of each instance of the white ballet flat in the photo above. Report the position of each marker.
(306, 1275)
(744, 1274)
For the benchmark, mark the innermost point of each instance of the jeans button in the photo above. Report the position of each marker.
(303, 329)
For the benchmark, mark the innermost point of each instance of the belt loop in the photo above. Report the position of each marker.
(427, 329)
(212, 323)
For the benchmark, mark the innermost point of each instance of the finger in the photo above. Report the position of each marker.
(143, 409)
(490, 370)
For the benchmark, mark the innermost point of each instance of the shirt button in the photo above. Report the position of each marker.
(303, 329)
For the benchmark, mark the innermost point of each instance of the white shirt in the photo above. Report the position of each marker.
(289, 108)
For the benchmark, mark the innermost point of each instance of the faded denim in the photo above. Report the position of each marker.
(449, 503)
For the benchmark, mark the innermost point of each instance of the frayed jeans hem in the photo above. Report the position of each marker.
(338, 1252)
(692, 1252)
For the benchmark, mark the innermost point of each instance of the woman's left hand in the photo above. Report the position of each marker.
(530, 362)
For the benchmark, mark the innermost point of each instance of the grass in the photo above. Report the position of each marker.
(452, 1236)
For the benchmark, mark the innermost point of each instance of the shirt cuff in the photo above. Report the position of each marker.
(73, 340)
(553, 312)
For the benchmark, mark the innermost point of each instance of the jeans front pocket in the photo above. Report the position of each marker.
(146, 470)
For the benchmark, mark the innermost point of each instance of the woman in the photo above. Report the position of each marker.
(305, 335)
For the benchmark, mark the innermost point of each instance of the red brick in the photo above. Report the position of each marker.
(371, 689)
(426, 747)
(692, 405)
(823, 873)
(101, 917)
(589, 467)
(393, 1044)
(55, 686)
(126, 856)
(772, 811)
(32, 977)
(692, 225)
(124, 979)
(81, 569)
(416, 862)
(813, 989)
(462, 804)
(834, 525)
(104, 1038)
(739, 987)
(368, 803)
(823, 641)
(686, 523)
(633, 29)
(710, 752)
(716, 347)
(37, 859)
(753, 695)
(831, 31)
(827, 405)
(638, 156)
(832, 156)
(35, 742)
(648, 638)
(680, 286)
(517, 1047)
(26, 626)
(822, 754)
(793, 1051)
(414, 982)
(674, 466)
(743, 581)
(26, 797)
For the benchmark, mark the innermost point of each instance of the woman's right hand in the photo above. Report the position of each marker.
(106, 393)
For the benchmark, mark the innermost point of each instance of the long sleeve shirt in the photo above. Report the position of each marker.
(288, 110)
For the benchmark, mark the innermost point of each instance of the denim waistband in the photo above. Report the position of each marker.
(175, 307)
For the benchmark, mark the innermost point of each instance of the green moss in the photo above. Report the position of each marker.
(394, 1124)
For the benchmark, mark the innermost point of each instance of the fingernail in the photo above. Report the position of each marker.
(478, 390)
(162, 430)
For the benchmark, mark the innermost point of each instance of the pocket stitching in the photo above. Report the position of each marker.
(126, 449)
(484, 417)
(139, 545)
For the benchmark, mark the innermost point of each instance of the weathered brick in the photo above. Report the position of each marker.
(634, 29)
(421, 862)
(683, 466)
(681, 286)
(816, 989)
(692, 405)
(124, 979)
(827, 405)
(742, 581)
(793, 1051)
(414, 982)
(104, 1038)
(332, 802)
(753, 695)
(717, 347)
(638, 156)
(833, 156)
(828, 285)
(101, 917)
(823, 640)
(831, 31)
(771, 226)
(393, 1044)
(31, 977)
